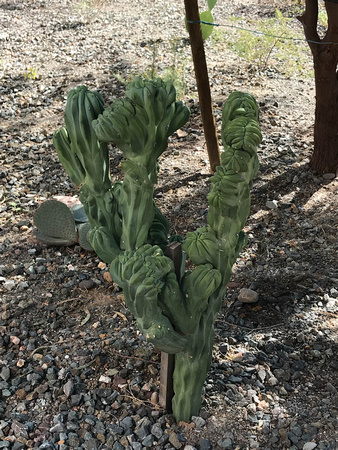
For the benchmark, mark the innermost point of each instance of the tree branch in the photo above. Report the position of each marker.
(332, 19)
(309, 21)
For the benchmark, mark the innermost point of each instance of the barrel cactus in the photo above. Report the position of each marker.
(175, 313)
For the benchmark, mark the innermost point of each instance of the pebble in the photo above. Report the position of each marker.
(272, 204)
(247, 296)
(328, 176)
(198, 421)
(309, 446)
(87, 284)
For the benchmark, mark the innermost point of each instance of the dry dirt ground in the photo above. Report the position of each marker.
(273, 382)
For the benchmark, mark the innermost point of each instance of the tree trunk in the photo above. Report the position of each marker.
(325, 155)
(325, 58)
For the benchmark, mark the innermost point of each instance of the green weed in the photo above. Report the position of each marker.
(276, 44)
(31, 73)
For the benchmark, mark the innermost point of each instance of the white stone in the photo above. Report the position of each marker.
(104, 379)
(309, 446)
(272, 204)
(273, 381)
(9, 285)
(247, 296)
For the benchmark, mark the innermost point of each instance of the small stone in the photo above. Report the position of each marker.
(104, 379)
(87, 284)
(298, 366)
(127, 423)
(157, 431)
(5, 373)
(154, 398)
(118, 446)
(247, 296)
(9, 285)
(272, 204)
(272, 381)
(261, 374)
(18, 446)
(142, 432)
(15, 340)
(58, 428)
(198, 421)
(226, 443)
(68, 388)
(174, 441)
(75, 400)
(328, 176)
(309, 446)
(107, 277)
(148, 441)
(205, 444)
(136, 445)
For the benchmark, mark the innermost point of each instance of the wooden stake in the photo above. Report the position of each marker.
(174, 252)
(202, 80)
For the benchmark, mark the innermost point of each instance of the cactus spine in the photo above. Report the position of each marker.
(177, 315)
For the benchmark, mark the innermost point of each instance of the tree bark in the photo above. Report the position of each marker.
(325, 58)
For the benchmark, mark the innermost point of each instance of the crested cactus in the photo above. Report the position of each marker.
(176, 314)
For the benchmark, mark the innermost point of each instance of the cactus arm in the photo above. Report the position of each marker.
(83, 106)
(140, 126)
(215, 248)
(68, 158)
(86, 160)
(142, 274)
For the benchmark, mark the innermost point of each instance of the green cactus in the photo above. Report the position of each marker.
(176, 314)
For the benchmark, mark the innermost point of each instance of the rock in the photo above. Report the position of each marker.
(135, 445)
(309, 446)
(157, 431)
(272, 381)
(9, 285)
(205, 444)
(174, 441)
(198, 421)
(104, 379)
(328, 176)
(68, 388)
(127, 423)
(5, 373)
(87, 284)
(226, 443)
(272, 204)
(148, 441)
(154, 398)
(247, 296)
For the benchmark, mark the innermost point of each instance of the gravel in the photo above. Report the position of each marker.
(75, 373)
